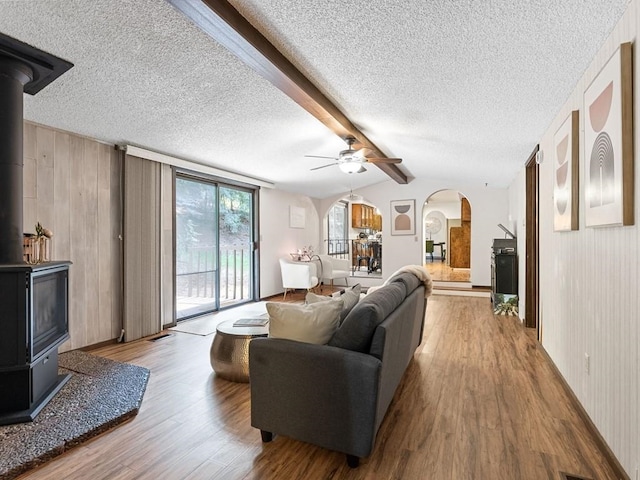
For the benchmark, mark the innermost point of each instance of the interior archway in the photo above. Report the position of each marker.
(359, 239)
(446, 227)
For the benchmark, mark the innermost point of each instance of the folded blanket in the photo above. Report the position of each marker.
(418, 270)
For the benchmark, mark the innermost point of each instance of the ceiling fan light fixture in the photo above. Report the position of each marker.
(350, 166)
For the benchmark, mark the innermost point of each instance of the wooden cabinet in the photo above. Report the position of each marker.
(357, 217)
(364, 216)
(377, 222)
(465, 210)
(460, 239)
(460, 248)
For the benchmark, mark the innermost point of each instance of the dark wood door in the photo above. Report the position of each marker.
(531, 262)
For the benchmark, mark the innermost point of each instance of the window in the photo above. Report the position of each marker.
(337, 228)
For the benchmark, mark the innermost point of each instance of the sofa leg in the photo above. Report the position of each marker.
(353, 461)
(266, 436)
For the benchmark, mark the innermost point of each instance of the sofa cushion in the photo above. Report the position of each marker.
(411, 282)
(357, 329)
(349, 297)
(312, 323)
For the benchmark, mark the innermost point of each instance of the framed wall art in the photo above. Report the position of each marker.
(403, 217)
(296, 217)
(608, 143)
(566, 183)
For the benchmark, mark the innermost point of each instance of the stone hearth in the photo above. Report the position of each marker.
(100, 394)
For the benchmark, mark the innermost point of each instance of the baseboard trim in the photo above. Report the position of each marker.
(95, 346)
(612, 461)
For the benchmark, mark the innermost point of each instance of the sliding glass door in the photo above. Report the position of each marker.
(236, 245)
(214, 246)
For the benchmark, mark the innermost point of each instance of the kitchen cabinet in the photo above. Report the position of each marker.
(364, 216)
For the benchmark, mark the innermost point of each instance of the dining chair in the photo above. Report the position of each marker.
(362, 253)
(428, 249)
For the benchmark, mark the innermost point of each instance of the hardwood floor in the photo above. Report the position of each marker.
(441, 272)
(478, 401)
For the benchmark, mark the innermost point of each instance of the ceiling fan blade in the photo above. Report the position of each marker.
(384, 160)
(320, 156)
(323, 166)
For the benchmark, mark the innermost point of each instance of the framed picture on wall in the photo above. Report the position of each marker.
(403, 217)
(608, 143)
(296, 217)
(565, 185)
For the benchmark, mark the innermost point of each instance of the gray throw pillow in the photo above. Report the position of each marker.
(349, 298)
(356, 331)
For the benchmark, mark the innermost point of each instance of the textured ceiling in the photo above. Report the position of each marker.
(461, 90)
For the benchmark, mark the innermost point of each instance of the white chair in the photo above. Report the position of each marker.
(298, 275)
(333, 268)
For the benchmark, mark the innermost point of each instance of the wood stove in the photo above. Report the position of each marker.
(34, 301)
(33, 298)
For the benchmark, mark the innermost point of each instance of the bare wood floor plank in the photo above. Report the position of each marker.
(479, 401)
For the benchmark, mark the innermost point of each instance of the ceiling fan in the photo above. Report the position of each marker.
(352, 161)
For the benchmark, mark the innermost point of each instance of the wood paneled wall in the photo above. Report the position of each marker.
(72, 186)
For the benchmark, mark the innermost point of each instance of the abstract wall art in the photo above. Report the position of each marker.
(608, 143)
(403, 214)
(565, 186)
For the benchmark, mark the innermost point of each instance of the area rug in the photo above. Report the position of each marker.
(203, 326)
(100, 394)
(206, 325)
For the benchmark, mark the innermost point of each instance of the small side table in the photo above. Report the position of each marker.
(229, 354)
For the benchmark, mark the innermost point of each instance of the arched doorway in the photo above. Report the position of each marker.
(446, 223)
(353, 229)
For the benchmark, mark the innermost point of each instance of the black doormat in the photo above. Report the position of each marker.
(100, 394)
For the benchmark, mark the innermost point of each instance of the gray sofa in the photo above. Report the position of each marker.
(336, 395)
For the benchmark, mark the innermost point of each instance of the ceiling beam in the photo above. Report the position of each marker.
(222, 22)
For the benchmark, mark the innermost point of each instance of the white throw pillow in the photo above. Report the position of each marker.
(314, 323)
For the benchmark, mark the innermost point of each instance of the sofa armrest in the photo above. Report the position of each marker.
(341, 264)
(318, 394)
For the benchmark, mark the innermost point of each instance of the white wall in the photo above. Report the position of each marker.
(517, 225)
(277, 239)
(589, 282)
(488, 208)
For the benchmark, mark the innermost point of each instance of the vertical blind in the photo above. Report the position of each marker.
(148, 265)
